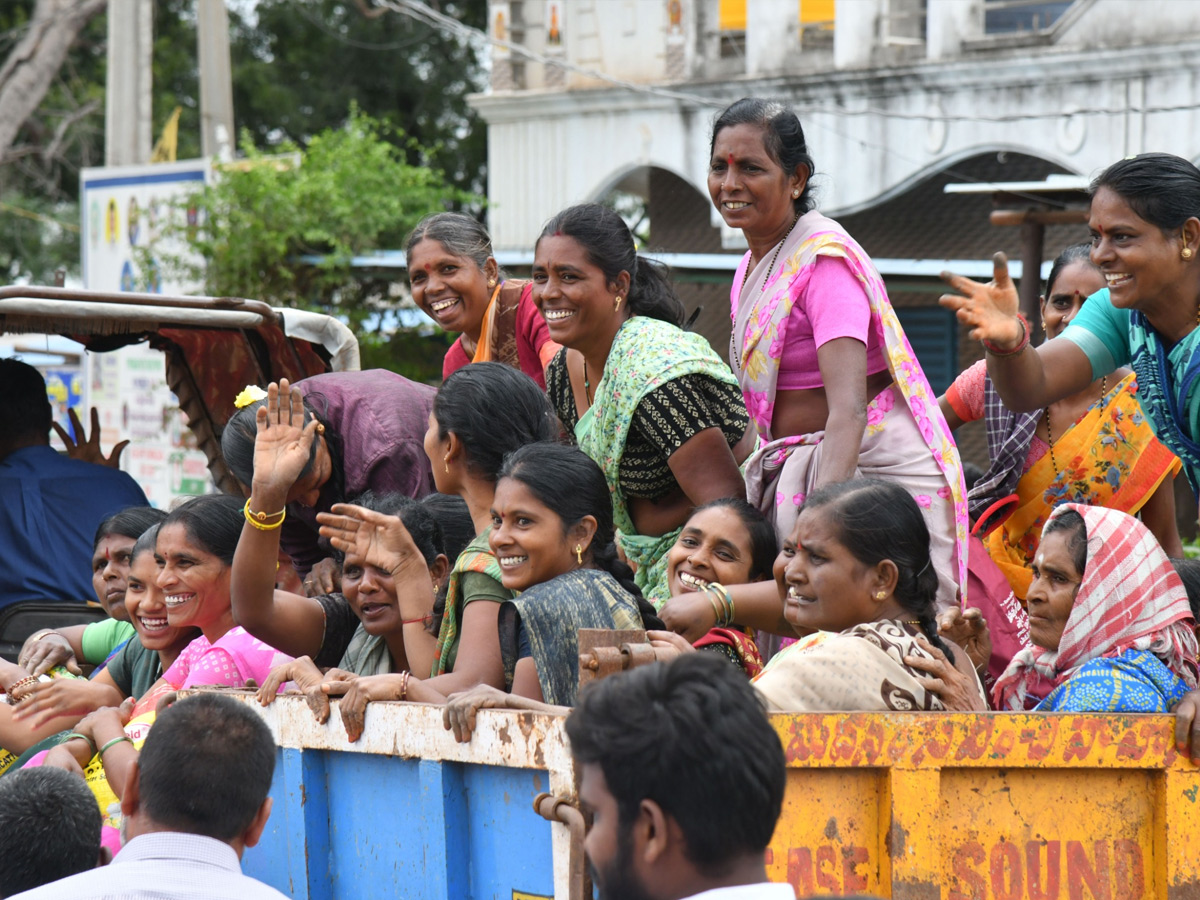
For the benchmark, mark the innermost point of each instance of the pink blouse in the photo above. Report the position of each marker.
(833, 305)
(236, 657)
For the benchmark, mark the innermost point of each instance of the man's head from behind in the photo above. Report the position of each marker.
(683, 776)
(51, 827)
(205, 768)
(25, 413)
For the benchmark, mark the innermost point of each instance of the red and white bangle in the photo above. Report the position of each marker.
(1021, 345)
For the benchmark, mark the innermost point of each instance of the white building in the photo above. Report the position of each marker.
(898, 98)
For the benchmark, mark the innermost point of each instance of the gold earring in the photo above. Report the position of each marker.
(579, 553)
(880, 595)
(617, 303)
(320, 428)
(446, 463)
(795, 194)
(491, 282)
(1186, 252)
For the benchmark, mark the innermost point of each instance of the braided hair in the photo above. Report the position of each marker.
(879, 520)
(568, 482)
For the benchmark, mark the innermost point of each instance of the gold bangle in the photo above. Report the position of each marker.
(258, 518)
(404, 684)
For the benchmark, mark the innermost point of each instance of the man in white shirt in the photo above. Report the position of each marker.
(683, 777)
(196, 799)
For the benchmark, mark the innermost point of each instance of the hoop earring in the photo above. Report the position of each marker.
(579, 553)
(617, 303)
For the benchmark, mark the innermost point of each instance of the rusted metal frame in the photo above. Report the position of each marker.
(561, 810)
(129, 298)
(511, 738)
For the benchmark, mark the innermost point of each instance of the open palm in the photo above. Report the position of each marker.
(379, 540)
(283, 443)
(989, 310)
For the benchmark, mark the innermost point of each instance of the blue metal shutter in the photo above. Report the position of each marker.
(933, 333)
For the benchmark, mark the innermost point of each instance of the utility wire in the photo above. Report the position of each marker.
(419, 10)
(423, 13)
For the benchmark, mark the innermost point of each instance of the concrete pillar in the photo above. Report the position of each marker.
(948, 24)
(128, 129)
(216, 82)
(772, 36)
(856, 33)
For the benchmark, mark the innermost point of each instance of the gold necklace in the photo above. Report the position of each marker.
(766, 278)
(1050, 436)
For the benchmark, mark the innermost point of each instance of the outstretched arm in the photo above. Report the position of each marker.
(289, 622)
(1027, 379)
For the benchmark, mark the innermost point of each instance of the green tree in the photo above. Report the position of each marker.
(299, 64)
(285, 233)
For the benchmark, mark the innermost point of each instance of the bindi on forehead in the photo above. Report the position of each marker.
(730, 159)
(428, 267)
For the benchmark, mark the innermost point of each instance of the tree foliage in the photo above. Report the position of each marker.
(266, 220)
(298, 65)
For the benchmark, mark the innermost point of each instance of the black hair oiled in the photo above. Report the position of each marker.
(1076, 253)
(568, 482)
(237, 441)
(878, 520)
(213, 521)
(1161, 188)
(469, 403)
(761, 532)
(783, 139)
(130, 523)
(609, 246)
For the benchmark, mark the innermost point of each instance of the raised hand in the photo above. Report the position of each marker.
(284, 443)
(379, 540)
(88, 448)
(989, 310)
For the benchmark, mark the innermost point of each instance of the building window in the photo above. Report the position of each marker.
(1017, 16)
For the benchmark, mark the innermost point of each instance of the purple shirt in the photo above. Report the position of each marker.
(380, 418)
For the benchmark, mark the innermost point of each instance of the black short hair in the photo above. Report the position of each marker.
(24, 404)
(692, 736)
(51, 827)
(206, 767)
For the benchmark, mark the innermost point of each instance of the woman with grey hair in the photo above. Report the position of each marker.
(456, 281)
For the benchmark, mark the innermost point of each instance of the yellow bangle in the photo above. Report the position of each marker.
(258, 518)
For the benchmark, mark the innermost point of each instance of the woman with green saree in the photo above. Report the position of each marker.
(653, 405)
(1145, 224)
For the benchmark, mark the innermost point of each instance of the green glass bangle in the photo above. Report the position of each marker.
(75, 735)
(113, 742)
